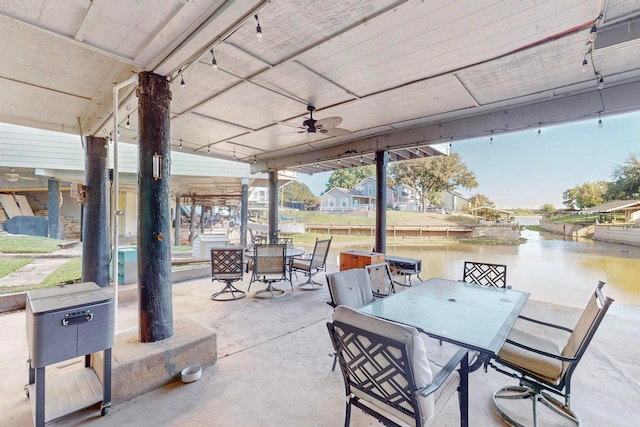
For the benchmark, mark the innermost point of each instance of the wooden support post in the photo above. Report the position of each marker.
(154, 221)
(95, 214)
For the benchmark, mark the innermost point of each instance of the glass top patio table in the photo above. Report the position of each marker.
(472, 316)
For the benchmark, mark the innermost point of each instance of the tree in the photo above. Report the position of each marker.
(586, 195)
(348, 178)
(298, 192)
(432, 175)
(626, 181)
(478, 200)
(547, 208)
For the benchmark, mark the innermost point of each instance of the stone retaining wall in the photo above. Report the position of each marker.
(625, 234)
(571, 230)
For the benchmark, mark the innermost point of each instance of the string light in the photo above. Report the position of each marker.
(600, 124)
(585, 63)
(539, 130)
(180, 144)
(258, 29)
(255, 160)
(600, 81)
(234, 154)
(214, 63)
(128, 125)
(208, 149)
(593, 33)
(361, 160)
(491, 138)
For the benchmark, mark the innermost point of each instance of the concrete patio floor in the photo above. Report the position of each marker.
(274, 369)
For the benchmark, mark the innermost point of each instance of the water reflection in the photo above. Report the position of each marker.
(551, 268)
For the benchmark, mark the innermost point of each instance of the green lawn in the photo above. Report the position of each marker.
(19, 244)
(9, 265)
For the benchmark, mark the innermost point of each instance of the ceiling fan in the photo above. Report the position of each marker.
(14, 177)
(326, 126)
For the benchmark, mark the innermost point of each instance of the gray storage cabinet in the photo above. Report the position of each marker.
(63, 323)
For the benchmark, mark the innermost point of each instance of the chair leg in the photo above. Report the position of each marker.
(310, 284)
(228, 293)
(525, 393)
(347, 415)
(335, 360)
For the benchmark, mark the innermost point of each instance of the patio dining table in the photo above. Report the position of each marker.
(468, 315)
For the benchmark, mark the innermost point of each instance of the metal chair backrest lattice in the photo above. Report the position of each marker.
(485, 274)
(227, 265)
(380, 279)
(387, 374)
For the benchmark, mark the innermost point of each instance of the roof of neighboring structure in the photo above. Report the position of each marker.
(490, 208)
(617, 205)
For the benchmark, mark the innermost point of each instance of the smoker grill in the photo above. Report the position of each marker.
(64, 323)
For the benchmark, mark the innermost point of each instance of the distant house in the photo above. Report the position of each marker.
(455, 202)
(361, 197)
(408, 199)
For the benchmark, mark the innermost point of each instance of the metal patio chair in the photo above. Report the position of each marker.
(387, 374)
(311, 266)
(269, 267)
(227, 265)
(350, 288)
(485, 274)
(542, 366)
(380, 279)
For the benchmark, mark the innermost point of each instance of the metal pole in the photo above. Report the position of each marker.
(116, 189)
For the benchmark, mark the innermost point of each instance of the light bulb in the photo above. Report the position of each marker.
(214, 63)
(585, 63)
(600, 123)
(593, 33)
(601, 83)
(182, 83)
(128, 125)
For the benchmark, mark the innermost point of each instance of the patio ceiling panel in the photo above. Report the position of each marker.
(422, 40)
(541, 71)
(297, 81)
(197, 131)
(250, 106)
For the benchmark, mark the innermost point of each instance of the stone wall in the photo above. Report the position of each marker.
(625, 234)
(571, 230)
(510, 231)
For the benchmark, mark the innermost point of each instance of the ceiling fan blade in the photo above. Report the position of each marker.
(328, 122)
(337, 132)
(290, 125)
(28, 178)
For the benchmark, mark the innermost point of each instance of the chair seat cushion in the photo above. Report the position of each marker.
(301, 264)
(550, 369)
(417, 353)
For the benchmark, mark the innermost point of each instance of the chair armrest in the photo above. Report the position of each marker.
(540, 322)
(542, 353)
(460, 358)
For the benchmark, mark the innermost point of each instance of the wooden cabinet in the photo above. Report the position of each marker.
(359, 259)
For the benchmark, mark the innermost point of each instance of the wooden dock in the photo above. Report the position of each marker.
(430, 231)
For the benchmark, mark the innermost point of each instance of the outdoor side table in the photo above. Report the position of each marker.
(63, 323)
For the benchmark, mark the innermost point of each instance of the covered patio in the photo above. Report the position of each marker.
(303, 86)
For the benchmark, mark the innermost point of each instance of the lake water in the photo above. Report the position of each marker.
(552, 268)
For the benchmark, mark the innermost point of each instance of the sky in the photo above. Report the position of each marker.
(524, 170)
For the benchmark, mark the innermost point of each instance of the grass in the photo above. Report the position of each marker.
(393, 218)
(20, 244)
(9, 265)
(69, 272)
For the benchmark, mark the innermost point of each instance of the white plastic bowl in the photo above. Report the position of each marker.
(191, 374)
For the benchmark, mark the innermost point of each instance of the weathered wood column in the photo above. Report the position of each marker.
(178, 221)
(154, 220)
(244, 212)
(273, 206)
(382, 160)
(95, 213)
(53, 203)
